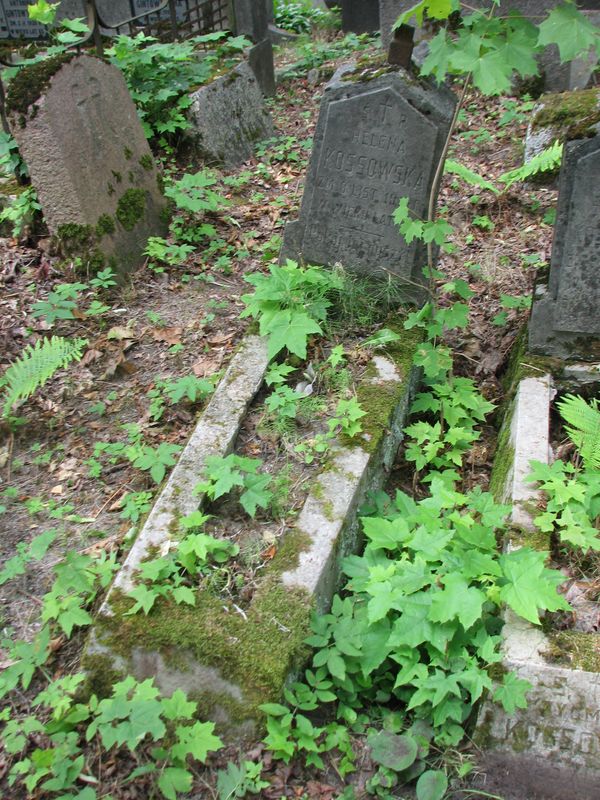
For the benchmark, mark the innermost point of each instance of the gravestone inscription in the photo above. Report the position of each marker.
(565, 317)
(375, 143)
(89, 162)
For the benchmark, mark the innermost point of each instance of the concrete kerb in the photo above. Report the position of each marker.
(327, 527)
(214, 435)
(557, 737)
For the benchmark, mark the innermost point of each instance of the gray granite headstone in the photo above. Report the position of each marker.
(375, 142)
(90, 163)
(228, 117)
(565, 316)
(360, 16)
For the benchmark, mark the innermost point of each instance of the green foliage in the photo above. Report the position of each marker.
(155, 460)
(176, 574)
(161, 74)
(20, 210)
(582, 424)
(35, 551)
(436, 231)
(172, 254)
(573, 503)
(222, 474)
(467, 175)
(546, 161)
(35, 366)
(135, 505)
(311, 54)
(301, 16)
(346, 421)
(290, 304)
(239, 781)
(11, 163)
(60, 304)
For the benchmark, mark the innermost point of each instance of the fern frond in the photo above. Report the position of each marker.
(470, 177)
(582, 424)
(549, 159)
(35, 366)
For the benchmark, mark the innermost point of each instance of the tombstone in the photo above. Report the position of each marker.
(375, 142)
(228, 117)
(389, 11)
(360, 16)
(565, 316)
(251, 19)
(80, 136)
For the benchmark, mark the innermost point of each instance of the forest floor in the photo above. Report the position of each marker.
(186, 320)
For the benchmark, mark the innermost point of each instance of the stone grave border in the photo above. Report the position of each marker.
(229, 659)
(555, 741)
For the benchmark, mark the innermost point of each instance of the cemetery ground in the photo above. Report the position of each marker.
(172, 322)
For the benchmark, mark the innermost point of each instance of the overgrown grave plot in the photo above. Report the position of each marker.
(552, 489)
(234, 633)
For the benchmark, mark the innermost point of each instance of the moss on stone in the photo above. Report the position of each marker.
(535, 539)
(504, 458)
(127, 153)
(575, 649)
(105, 225)
(74, 239)
(131, 208)
(101, 675)
(30, 83)
(575, 115)
(146, 162)
(286, 558)
(256, 652)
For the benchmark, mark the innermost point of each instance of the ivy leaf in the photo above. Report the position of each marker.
(529, 585)
(570, 30)
(512, 693)
(174, 780)
(457, 600)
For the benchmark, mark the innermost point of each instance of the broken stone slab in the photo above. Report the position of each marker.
(234, 658)
(228, 117)
(556, 739)
(79, 133)
(378, 139)
(562, 117)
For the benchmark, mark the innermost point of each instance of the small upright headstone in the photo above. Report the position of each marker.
(375, 142)
(389, 11)
(360, 16)
(228, 117)
(251, 19)
(565, 316)
(79, 133)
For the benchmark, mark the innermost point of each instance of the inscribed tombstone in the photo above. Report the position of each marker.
(228, 117)
(89, 161)
(375, 143)
(567, 311)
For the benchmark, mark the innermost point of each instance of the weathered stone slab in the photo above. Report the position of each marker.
(235, 658)
(562, 117)
(228, 117)
(360, 16)
(260, 61)
(557, 737)
(89, 161)
(375, 142)
(566, 312)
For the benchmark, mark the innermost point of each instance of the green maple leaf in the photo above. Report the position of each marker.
(195, 740)
(291, 329)
(413, 627)
(174, 780)
(457, 600)
(178, 706)
(223, 475)
(256, 494)
(144, 597)
(491, 72)
(183, 594)
(530, 585)
(512, 693)
(73, 616)
(570, 30)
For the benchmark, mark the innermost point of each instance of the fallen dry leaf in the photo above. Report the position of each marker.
(207, 365)
(120, 332)
(169, 335)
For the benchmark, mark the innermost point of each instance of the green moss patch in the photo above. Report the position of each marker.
(30, 83)
(105, 225)
(256, 651)
(574, 649)
(131, 208)
(575, 115)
